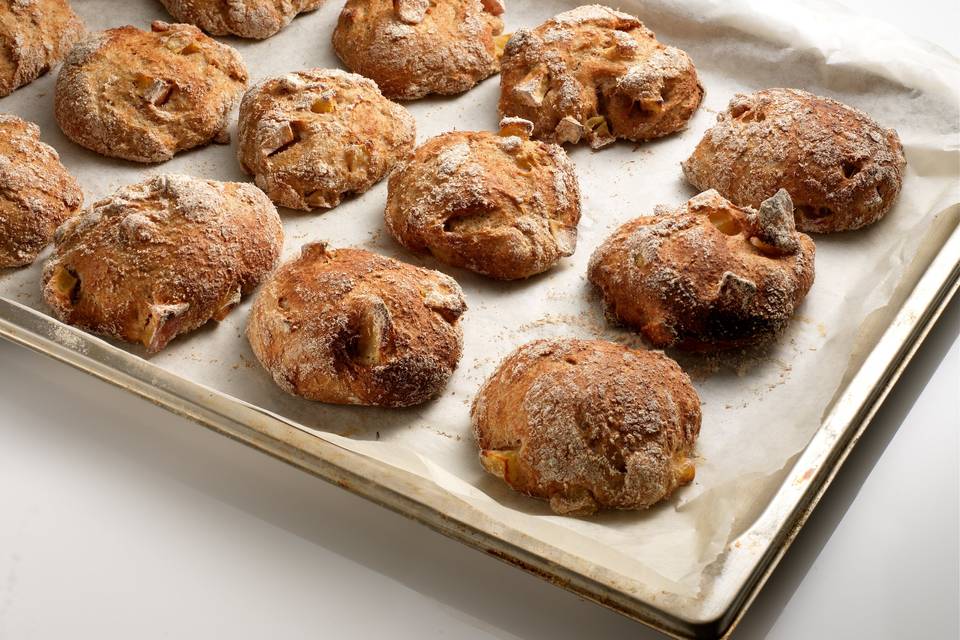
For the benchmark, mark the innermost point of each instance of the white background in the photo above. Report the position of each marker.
(118, 519)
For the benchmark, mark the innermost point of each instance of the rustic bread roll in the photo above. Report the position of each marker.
(348, 326)
(503, 206)
(37, 193)
(146, 95)
(412, 48)
(311, 137)
(842, 169)
(596, 74)
(708, 275)
(160, 258)
(34, 36)
(588, 425)
(258, 19)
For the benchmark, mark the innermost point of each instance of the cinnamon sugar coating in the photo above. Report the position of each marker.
(161, 258)
(594, 74)
(147, 95)
(312, 137)
(34, 36)
(412, 48)
(588, 425)
(347, 326)
(257, 19)
(708, 275)
(37, 192)
(842, 169)
(500, 205)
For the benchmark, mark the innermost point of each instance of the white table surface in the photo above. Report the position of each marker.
(118, 519)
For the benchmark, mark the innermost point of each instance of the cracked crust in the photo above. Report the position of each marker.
(594, 74)
(347, 326)
(34, 36)
(842, 169)
(311, 137)
(37, 193)
(161, 258)
(708, 275)
(258, 19)
(588, 425)
(413, 48)
(500, 205)
(147, 95)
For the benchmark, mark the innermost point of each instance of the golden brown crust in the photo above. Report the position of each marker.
(160, 258)
(348, 326)
(596, 74)
(34, 36)
(588, 425)
(842, 169)
(412, 48)
(500, 205)
(708, 275)
(258, 19)
(311, 137)
(37, 193)
(146, 95)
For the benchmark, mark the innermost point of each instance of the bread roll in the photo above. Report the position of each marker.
(841, 168)
(37, 193)
(347, 326)
(594, 74)
(588, 425)
(161, 258)
(413, 48)
(258, 19)
(708, 275)
(501, 205)
(147, 95)
(34, 36)
(312, 137)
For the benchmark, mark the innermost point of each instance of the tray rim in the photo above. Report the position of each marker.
(747, 566)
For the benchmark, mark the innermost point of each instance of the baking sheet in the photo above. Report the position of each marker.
(760, 408)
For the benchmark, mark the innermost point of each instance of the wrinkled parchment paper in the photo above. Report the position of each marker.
(759, 409)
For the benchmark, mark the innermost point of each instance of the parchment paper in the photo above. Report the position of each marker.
(759, 409)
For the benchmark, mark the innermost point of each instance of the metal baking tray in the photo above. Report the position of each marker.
(882, 339)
